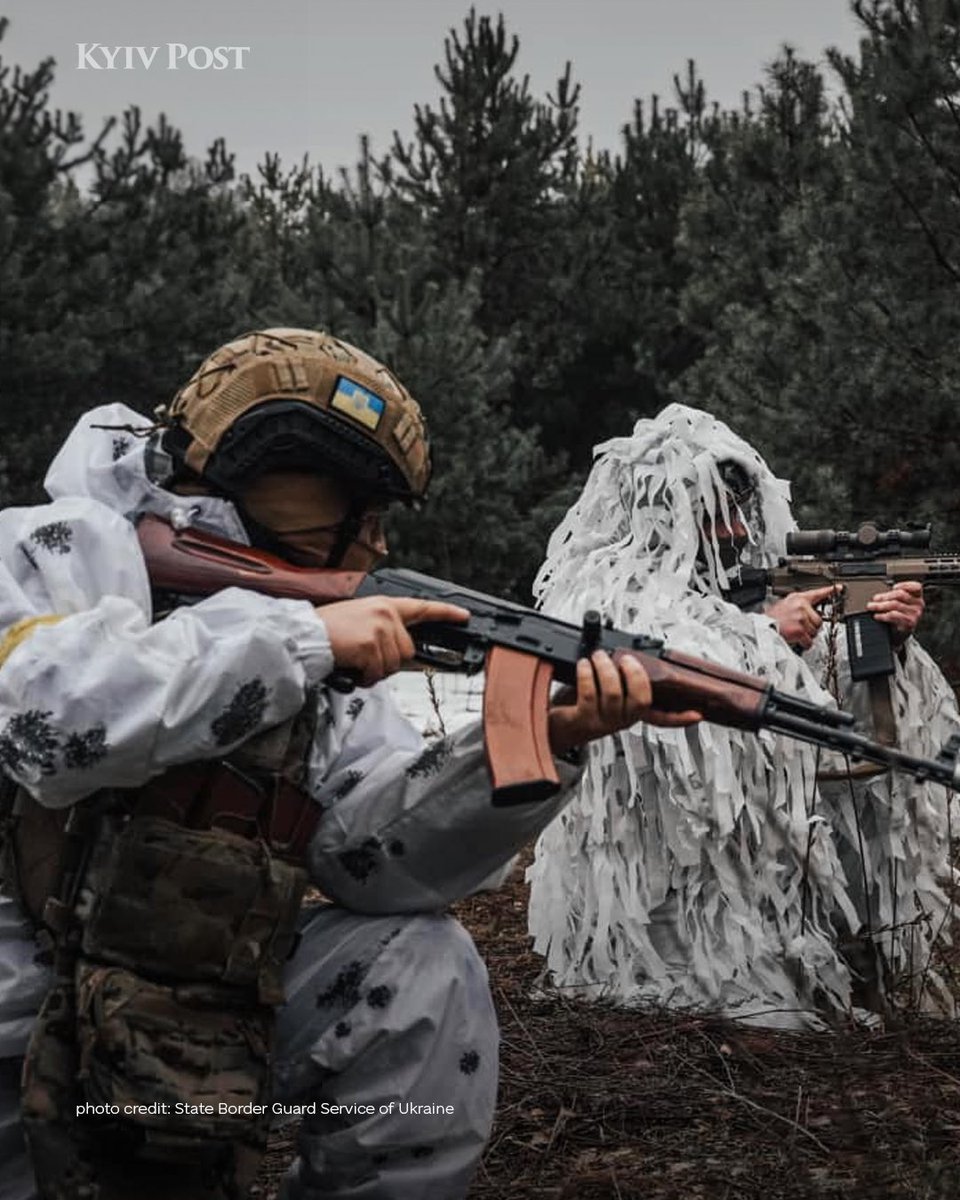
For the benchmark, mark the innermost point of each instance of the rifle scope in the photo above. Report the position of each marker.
(867, 542)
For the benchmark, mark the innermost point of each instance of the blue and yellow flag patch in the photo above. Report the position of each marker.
(357, 403)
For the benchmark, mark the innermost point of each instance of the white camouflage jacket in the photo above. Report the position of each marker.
(103, 696)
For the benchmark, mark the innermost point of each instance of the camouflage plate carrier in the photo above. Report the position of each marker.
(168, 913)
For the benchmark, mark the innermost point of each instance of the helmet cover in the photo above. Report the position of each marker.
(299, 399)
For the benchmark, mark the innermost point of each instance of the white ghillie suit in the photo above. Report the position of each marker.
(696, 868)
(892, 833)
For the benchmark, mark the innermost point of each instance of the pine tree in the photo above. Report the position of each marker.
(363, 263)
(825, 257)
(110, 293)
(748, 230)
(46, 336)
(611, 337)
(488, 167)
(178, 253)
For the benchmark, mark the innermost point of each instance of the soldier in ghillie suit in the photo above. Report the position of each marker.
(177, 773)
(702, 869)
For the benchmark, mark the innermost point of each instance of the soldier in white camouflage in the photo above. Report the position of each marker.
(175, 776)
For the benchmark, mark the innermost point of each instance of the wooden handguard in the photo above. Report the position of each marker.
(515, 703)
(725, 696)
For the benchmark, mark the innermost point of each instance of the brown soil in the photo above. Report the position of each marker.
(600, 1104)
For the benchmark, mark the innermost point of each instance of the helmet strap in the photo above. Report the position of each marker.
(347, 533)
(259, 535)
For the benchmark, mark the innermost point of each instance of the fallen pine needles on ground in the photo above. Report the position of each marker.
(601, 1104)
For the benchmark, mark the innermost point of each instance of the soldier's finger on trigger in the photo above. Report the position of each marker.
(831, 598)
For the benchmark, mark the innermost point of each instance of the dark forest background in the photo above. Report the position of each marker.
(792, 266)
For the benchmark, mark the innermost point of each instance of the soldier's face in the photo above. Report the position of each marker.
(731, 535)
(306, 513)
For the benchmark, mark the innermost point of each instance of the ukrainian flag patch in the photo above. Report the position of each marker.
(357, 403)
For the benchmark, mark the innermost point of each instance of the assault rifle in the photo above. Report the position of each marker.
(865, 563)
(523, 652)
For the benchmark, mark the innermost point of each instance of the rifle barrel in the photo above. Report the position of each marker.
(796, 706)
(857, 747)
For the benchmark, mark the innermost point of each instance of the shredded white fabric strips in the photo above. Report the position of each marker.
(703, 868)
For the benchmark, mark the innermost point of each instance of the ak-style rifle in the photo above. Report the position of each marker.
(523, 652)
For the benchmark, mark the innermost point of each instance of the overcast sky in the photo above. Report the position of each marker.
(318, 73)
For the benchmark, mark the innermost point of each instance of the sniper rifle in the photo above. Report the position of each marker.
(864, 563)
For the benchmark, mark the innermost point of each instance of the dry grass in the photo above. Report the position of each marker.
(600, 1104)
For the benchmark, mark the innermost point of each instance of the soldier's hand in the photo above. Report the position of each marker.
(797, 617)
(369, 636)
(608, 698)
(902, 607)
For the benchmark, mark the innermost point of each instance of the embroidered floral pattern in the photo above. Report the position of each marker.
(345, 989)
(469, 1062)
(347, 784)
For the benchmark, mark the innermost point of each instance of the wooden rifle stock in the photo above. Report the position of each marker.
(190, 563)
(516, 701)
(680, 681)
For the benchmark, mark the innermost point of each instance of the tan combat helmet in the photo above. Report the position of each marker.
(299, 399)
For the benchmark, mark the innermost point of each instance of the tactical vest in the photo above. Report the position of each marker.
(169, 912)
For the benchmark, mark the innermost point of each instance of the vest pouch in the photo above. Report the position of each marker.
(192, 906)
(31, 849)
(182, 1068)
(62, 1168)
